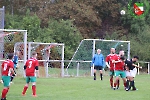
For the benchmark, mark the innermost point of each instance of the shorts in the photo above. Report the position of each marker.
(111, 73)
(131, 73)
(6, 81)
(98, 67)
(122, 74)
(30, 79)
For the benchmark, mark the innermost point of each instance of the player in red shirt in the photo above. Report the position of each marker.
(110, 65)
(6, 72)
(31, 70)
(119, 68)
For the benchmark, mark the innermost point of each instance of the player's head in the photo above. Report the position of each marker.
(34, 54)
(10, 56)
(112, 50)
(121, 53)
(135, 58)
(122, 58)
(98, 51)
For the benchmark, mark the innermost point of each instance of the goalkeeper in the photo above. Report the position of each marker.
(98, 62)
(15, 61)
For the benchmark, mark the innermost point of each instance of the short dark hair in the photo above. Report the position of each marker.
(10, 55)
(136, 57)
(122, 58)
(34, 53)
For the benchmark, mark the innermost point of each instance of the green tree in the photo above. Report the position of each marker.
(62, 32)
(29, 23)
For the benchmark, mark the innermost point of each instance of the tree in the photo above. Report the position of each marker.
(93, 18)
(62, 32)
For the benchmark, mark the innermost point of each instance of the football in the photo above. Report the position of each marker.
(122, 12)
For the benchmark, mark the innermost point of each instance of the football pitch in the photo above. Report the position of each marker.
(79, 88)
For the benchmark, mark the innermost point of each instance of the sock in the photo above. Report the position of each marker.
(111, 82)
(4, 92)
(94, 75)
(115, 84)
(127, 83)
(118, 83)
(7, 90)
(101, 75)
(34, 89)
(133, 85)
(24, 89)
(12, 77)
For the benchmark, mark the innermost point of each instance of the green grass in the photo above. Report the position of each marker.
(81, 88)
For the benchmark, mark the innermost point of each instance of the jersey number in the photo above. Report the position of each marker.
(30, 64)
(5, 67)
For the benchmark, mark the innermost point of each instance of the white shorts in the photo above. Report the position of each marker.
(131, 73)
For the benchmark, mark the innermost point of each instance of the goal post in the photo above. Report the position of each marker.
(8, 39)
(86, 50)
(117, 44)
(50, 57)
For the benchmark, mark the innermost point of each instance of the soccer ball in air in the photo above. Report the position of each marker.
(122, 12)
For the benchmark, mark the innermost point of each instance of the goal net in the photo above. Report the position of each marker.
(80, 64)
(50, 56)
(8, 40)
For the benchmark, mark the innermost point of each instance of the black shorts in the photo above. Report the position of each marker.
(98, 67)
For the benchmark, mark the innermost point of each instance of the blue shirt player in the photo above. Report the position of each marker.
(99, 63)
(15, 61)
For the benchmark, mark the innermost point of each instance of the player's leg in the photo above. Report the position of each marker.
(117, 73)
(133, 75)
(4, 93)
(95, 68)
(12, 77)
(6, 81)
(131, 80)
(127, 78)
(111, 73)
(131, 83)
(101, 72)
(33, 80)
(26, 86)
(123, 76)
(118, 83)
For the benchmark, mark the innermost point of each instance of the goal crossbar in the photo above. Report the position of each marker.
(12, 30)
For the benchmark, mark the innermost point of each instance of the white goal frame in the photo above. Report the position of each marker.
(93, 50)
(46, 67)
(24, 32)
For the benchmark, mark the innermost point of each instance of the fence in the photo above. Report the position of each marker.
(145, 67)
(82, 71)
(79, 71)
